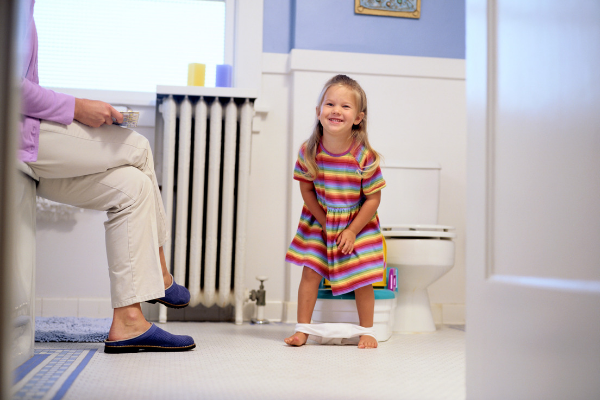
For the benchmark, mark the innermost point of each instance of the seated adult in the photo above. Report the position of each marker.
(82, 159)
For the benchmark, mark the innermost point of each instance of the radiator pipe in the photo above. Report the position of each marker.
(260, 297)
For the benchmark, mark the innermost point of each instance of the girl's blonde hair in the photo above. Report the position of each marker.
(359, 132)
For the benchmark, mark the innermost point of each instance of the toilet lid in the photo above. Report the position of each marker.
(408, 231)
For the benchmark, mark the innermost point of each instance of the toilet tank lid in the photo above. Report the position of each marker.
(408, 231)
(410, 164)
(417, 227)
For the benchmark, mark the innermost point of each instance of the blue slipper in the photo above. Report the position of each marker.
(176, 296)
(154, 339)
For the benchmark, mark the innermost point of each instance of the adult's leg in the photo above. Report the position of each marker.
(76, 150)
(125, 193)
(73, 159)
(68, 151)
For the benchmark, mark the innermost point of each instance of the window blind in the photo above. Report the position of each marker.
(127, 45)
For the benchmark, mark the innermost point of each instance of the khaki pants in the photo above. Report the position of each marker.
(110, 169)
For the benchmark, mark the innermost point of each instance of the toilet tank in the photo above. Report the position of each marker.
(411, 195)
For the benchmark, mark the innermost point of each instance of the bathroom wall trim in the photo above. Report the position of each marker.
(281, 96)
(358, 63)
(453, 314)
(100, 308)
(275, 63)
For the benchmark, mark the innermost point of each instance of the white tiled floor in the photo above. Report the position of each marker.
(252, 362)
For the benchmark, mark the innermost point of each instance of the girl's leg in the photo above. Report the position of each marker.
(307, 297)
(365, 304)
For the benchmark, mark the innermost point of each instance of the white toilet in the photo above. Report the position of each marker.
(420, 250)
(418, 253)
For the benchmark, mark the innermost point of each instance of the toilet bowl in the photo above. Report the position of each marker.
(418, 250)
(421, 255)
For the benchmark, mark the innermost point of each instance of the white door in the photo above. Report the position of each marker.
(533, 221)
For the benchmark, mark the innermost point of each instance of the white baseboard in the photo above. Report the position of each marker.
(89, 307)
(453, 314)
(442, 313)
(275, 311)
(290, 315)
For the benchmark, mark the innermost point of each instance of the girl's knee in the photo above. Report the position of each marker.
(364, 290)
(311, 275)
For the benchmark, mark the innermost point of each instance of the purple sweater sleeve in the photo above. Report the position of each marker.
(46, 104)
(38, 103)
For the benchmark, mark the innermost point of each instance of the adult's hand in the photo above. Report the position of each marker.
(95, 113)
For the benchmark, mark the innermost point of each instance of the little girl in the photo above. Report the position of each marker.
(339, 237)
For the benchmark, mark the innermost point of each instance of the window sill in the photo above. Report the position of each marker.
(143, 102)
(113, 97)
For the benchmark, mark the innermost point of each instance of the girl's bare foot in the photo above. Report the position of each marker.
(297, 339)
(367, 342)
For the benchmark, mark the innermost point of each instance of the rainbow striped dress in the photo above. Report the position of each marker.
(340, 191)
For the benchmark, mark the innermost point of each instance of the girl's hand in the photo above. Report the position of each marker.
(345, 241)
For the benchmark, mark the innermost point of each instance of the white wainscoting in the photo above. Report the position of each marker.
(417, 113)
(89, 307)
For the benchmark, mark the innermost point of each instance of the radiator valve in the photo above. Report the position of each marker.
(260, 297)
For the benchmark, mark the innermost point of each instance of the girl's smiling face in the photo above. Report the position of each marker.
(339, 111)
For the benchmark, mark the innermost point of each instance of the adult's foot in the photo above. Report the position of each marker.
(128, 322)
(168, 281)
(154, 339)
(176, 296)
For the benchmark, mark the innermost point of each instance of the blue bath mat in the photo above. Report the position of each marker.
(71, 329)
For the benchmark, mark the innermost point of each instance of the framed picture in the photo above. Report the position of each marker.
(389, 8)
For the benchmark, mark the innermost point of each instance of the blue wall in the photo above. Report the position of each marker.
(332, 25)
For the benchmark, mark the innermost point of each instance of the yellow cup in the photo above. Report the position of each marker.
(196, 73)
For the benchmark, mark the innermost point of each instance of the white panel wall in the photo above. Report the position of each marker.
(72, 266)
(72, 269)
(417, 113)
(268, 207)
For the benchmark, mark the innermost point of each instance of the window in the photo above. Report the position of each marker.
(128, 45)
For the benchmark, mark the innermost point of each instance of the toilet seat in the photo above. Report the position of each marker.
(418, 231)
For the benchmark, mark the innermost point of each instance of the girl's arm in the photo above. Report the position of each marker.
(345, 240)
(310, 199)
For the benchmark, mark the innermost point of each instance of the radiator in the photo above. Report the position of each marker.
(203, 164)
